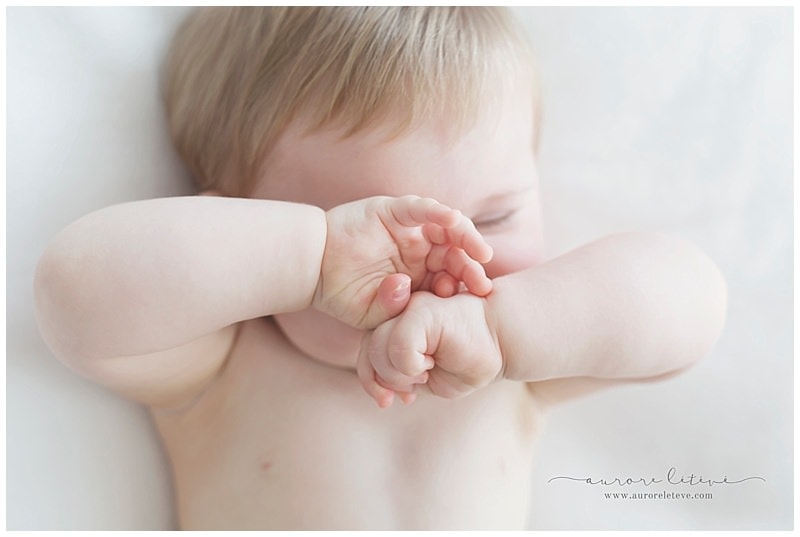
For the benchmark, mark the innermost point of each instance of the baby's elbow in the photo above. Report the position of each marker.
(683, 300)
(48, 283)
(704, 302)
(55, 285)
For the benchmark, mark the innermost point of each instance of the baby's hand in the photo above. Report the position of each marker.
(380, 249)
(447, 346)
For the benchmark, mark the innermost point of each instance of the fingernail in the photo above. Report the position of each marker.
(401, 290)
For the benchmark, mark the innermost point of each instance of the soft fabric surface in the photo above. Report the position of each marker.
(670, 119)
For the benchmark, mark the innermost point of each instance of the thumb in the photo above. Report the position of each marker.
(393, 295)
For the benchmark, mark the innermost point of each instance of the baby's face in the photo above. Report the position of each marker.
(489, 174)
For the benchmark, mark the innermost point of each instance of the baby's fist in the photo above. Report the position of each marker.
(446, 346)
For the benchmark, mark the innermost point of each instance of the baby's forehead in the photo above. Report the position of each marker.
(328, 167)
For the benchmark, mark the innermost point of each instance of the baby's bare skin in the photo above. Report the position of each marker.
(282, 441)
(239, 323)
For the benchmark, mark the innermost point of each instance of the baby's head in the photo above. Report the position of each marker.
(328, 105)
(236, 78)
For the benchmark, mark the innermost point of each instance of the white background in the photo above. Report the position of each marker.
(670, 119)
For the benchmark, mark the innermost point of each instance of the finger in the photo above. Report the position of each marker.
(390, 377)
(461, 268)
(475, 278)
(407, 358)
(401, 391)
(415, 211)
(460, 231)
(462, 234)
(407, 398)
(381, 370)
(435, 260)
(392, 297)
(444, 286)
(366, 375)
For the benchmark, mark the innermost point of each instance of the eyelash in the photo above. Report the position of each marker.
(495, 222)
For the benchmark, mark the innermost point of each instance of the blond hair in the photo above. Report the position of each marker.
(236, 77)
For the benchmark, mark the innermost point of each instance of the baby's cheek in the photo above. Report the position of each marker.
(519, 247)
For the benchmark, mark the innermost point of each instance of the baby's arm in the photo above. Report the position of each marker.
(144, 297)
(626, 307)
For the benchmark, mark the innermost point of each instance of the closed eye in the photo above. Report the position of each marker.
(493, 220)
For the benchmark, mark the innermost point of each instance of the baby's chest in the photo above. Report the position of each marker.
(317, 419)
(280, 431)
(340, 445)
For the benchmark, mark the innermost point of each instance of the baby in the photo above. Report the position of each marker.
(354, 326)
